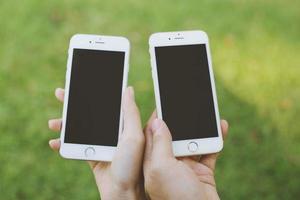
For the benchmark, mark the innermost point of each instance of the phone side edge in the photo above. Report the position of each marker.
(154, 74)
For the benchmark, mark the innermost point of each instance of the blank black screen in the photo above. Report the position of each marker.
(186, 91)
(95, 97)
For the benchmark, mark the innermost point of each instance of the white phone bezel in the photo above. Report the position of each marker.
(181, 147)
(94, 42)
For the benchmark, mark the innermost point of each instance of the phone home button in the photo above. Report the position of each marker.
(89, 152)
(192, 146)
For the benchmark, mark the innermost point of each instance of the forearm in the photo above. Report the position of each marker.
(122, 193)
(120, 196)
(208, 193)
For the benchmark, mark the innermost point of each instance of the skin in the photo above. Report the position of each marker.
(165, 177)
(121, 178)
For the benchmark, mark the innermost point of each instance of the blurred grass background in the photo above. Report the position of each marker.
(255, 49)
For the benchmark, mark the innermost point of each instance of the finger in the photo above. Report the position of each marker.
(150, 120)
(97, 166)
(224, 127)
(92, 164)
(194, 158)
(55, 124)
(54, 144)
(130, 149)
(60, 94)
(202, 171)
(148, 135)
(188, 161)
(210, 159)
(132, 119)
(161, 141)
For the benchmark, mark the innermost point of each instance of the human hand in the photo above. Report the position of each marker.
(167, 177)
(122, 178)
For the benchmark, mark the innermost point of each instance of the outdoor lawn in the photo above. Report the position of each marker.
(256, 58)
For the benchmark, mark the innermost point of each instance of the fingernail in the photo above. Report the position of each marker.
(156, 125)
(57, 90)
(225, 123)
(50, 122)
(131, 92)
(51, 142)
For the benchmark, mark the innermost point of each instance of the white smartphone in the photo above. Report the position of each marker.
(185, 91)
(96, 77)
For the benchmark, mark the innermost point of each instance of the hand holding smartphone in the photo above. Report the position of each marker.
(96, 77)
(92, 121)
(185, 94)
(185, 91)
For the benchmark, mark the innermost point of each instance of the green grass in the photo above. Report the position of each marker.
(255, 49)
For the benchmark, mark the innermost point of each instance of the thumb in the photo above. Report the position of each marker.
(161, 140)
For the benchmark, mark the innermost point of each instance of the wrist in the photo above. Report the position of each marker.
(122, 193)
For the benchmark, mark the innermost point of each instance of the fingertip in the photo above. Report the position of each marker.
(161, 140)
(50, 123)
(224, 126)
(59, 93)
(156, 124)
(55, 124)
(159, 128)
(225, 123)
(54, 144)
(128, 97)
(51, 143)
(153, 116)
(130, 91)
(131, 113)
